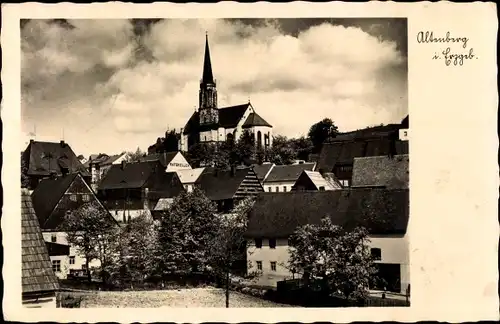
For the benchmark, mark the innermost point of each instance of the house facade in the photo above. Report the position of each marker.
(384, 212)
(212, 124)
(39, 283)
(281, 178)
(52, 198)
(98, 165)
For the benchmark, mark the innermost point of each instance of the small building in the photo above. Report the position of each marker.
(171, 161)
(131, 189)
(381, 171)
(39, 283)
(227, 188)
(189, 177)
(384, 212)
(99, 164)
(52, 199)
(315, 181)
(41, 160)
(281, 178)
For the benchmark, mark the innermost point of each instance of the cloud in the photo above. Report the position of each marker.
(293, 81)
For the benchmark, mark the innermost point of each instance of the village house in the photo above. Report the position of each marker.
(131, 189)
(189, 177)
(384, 212)
(171, 161)
(337, 156)
(41, 160)
(315, 181)
(281, 178)
(99, 164)
(39, 283)
(227, 188)
(211, 124)
(52, 199)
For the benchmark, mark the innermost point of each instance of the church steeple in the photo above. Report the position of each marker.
(209, 114)
(208, 76)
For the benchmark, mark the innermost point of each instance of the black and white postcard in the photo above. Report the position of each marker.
(233, 156)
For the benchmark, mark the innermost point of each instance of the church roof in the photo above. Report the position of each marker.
(255, 120)
(208, 76)
(229, 117)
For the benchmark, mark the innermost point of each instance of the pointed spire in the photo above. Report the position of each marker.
(207, 64)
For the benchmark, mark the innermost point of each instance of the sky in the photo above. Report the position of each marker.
(106, 86)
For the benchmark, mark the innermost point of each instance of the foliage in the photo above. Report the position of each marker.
(186, 229)
(93, 231)
(228, 243)
(169, 143)
(339, 259)
(322, 131)
(135, 156)
(245, 148)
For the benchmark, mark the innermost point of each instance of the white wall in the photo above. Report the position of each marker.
(264, 130)
(179, 162)
(133, 213)
(273, 185)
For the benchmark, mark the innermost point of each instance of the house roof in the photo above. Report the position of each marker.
(288, 172)
(37, 274)
(163, 203)
(219, 185)
(47, 194)
(405, 122)
(130, 175)
(328, 182)
(390, 172)
(189, 176)
(229, 117)
(262, 170)
(43, 158)
(255, 120)
(369, 132)
(381, 211)
(163, 185)
(102, 159)
(164, 158)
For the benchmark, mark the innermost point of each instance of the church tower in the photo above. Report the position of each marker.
(209, 114)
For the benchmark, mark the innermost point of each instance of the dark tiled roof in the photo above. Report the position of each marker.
(219, 185)
(132, 175)
(164, 158)
(102, 159)
(288, 172)
(47, 194)
(405, 123)
(391, 172)
(42, 158)
(377, 131)
(255, 120)
(164, 185)
(381, 211)
(228, 118)
(37, 274)
(262, 170)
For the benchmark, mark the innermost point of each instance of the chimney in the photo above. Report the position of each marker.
(233, 170)
(123, 164)
(32, 141)
(62, 143)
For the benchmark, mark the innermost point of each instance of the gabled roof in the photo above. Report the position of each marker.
(405, 123)
(381, 211)
(43, 158)
(37, 274)
(262, 170)
(389, 172)
(229, 117)
(189, 176)
(207, 65)
(102, 159)
(163, 185)
(48, 193)
(287, 173)
(328, 182)
(219, 185)
(255, 120)
(130, 175)
(164, 158)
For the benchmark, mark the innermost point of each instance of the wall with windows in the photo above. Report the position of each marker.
(271, 254)
(278, 186)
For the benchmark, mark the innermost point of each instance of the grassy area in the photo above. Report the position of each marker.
(181, 298)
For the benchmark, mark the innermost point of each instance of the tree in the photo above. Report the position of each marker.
(186, 229)
(321, 131)
(92, 230)
(245, 148)
(201, 154)
(282, 152)
(228, 243)
(135, 156)
(339, 259)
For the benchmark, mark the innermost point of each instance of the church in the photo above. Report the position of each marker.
(211, 124)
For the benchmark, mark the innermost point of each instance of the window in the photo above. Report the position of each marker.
(258, 243)
(259, 265)
(284, 188)
(376, 253)
(86, 197)
(73, 197)
(84, 267)
(53, 238)
(273, 265)
(259, 139)
(269, 189)
(277, 189)
(56, 265)
(272, 243)
(322, 188)
(71, 260)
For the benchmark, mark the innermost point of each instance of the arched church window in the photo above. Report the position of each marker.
(259, 138)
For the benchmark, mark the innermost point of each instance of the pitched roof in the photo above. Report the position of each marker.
(381, 171)
(163, 203)
(255, 120)
(47, 194)
(328, 182)
(163, 185)
(43, 158)
(405, 123)
(189, 176)
(288, 172)
(102, 159)
(262, 170)
(229, 117)
(219, 185)
(37, 274)
(130, 175)
(381, 211)
(369, 132)
(164, 158)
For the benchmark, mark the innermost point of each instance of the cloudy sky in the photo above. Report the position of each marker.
(114, 85)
